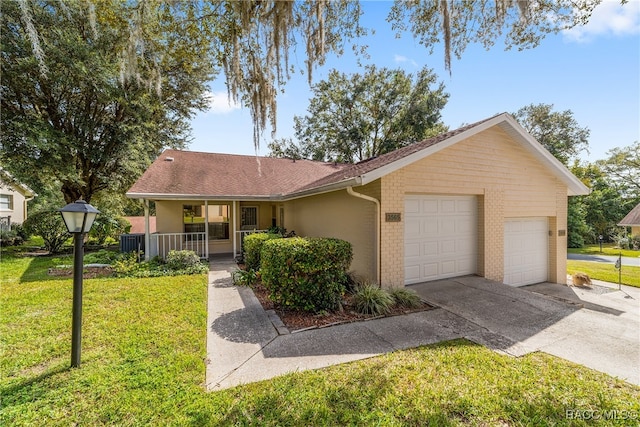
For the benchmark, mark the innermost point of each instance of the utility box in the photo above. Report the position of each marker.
(132, 242)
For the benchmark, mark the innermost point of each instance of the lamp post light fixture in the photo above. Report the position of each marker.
(78, 217)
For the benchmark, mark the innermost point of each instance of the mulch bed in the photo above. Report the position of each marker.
(296, 320)
(88, 272)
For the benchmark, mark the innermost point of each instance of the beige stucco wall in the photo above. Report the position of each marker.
(341, 216)
(509, 183)
(635, 231)
(18, 212)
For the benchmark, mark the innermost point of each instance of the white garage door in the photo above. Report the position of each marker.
(526, 249)
(440, 237)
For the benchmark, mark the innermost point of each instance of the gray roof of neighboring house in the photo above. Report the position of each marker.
(184, 174)
(632, 218)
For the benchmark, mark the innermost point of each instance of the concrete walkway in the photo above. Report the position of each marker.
(246, 344)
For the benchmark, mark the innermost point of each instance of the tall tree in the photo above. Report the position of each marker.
(252, 39)
(623, 167)
(352, 118)
(558, 132)
(601, 209)
(74, 111)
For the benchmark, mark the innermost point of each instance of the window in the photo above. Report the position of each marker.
(195, 217)
(6, 202)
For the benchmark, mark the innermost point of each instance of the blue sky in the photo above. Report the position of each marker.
(594, 71)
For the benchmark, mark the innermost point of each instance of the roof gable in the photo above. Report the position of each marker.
(632, 218)
(372, 169)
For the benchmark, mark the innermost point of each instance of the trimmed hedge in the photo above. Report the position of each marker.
(306, 273)
(252, 247)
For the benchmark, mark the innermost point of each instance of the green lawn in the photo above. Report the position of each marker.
(605, 271)
(607, 249)
(143, 363)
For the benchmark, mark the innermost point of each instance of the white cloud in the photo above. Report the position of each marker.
(402, 59)
(608, 18)
(219, 103)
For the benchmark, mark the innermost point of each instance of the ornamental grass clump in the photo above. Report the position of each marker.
(370, 299)
(405, 298)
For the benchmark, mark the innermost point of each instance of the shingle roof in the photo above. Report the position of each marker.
(374, 163)
(632, 218)
(185, 174)
(188, 173)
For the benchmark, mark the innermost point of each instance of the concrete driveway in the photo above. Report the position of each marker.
(597, 327)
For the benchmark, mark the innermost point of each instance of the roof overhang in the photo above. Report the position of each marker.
(505, 121)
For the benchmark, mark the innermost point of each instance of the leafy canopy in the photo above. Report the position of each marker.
(75, 111)
(558, 132)
(358, 116)
(92, 91)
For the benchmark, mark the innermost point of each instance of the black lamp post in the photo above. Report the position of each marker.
(78, 217)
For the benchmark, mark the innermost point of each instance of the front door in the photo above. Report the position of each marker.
(249, 218)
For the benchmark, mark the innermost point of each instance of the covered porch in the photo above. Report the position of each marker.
(207, 227)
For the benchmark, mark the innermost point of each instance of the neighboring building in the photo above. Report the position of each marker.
(13, 200)
(485, 199)
(632, 219)
(138, 224)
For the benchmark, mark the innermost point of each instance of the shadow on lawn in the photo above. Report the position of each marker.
(30, 388)
(38, 269)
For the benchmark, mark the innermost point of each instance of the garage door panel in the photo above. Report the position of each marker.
(412, 250)
(447, 237)
(430, 249)
(411, 206)
(412, 226)
(428, 206)
(412, 272)
(526, 248)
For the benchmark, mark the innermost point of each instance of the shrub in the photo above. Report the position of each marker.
(406, 298)
(252, 247)
(49, 225)
(306, 273)
(245, 277)
(182, 260)
(10, 238)
(102, 256)
(20, 232)
(128, 265)
(370, 299)
(107, 225)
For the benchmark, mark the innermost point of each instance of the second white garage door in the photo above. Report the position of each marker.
(526, 249)
(440, 238)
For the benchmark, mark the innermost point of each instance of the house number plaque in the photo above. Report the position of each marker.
(392, 217)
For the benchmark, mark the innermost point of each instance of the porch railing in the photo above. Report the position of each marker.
(239, 240)
(162, 243)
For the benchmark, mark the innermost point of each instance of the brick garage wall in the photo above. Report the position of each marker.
(509, 183)
(392, 233)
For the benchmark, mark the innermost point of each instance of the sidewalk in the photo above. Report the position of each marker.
(599, 330)
(244, 345)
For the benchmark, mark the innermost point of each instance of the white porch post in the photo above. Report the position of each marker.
(147, 234)
(233, 227)
(206, 229)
